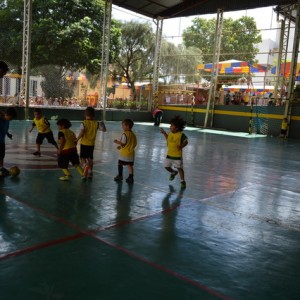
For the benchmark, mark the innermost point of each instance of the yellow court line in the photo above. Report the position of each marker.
(228, 112)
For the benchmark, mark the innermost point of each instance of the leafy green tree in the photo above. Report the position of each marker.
(135, 61)
(55, 84)
(66, 34)
(11, 28)
(239, 38)
(179, 63)
(136, 58)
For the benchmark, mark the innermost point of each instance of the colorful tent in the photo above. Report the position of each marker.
(286, 69)
(234, 67)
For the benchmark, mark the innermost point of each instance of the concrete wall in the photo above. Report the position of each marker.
(237, 117)
(231, 118)
(77, 114)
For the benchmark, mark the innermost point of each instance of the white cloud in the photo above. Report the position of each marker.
(265, 19)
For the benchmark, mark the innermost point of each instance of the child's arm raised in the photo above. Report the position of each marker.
(162, 131)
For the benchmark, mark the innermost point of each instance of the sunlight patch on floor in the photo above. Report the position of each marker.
(237, 134)
(212, 131)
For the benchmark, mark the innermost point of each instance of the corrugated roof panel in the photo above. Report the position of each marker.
(184, 8)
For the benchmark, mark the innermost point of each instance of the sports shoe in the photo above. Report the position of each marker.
(129, 180)
(4, 172)
(37, 153)
(172, 176)
(64, 178)
(118, 178)
(183, 185)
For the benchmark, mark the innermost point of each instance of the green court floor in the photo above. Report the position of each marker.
(234, 233)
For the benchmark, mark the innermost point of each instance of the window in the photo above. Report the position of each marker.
(33, 88)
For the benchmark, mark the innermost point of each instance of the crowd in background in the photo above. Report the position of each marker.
(226, 98)
(39, 100)
(242, 98)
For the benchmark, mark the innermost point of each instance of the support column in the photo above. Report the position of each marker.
(294, 55)
(152, 102)
(282, 45)
(105, 56)
(290, 98)
(215, 70)
(25, 80)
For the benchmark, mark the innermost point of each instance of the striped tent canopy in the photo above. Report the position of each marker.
(285, 70)
(233, 66)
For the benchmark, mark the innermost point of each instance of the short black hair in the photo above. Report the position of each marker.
(11, 111)
(178, 122)
(90, 112)
(38, 110)
(4, 66)
(128, 122)
(64, 122)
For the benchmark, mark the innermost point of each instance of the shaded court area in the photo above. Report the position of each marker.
(234, 233)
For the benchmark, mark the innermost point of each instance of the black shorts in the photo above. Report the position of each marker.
(66, 158)
(283, 131)
(48, 135)
(2, 151)
(87, 151)
(125, 163)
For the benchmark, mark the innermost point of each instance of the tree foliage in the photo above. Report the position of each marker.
(64, 33)
(135, 61)
(179, 63)
(55, 84)
(239, 38)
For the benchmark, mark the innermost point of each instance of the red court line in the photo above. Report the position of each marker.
(41, 246)
(91, 233)
(164, 269)
(131, 221)
(43, 212)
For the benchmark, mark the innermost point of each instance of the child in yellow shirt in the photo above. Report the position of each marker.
(127, 144)
(88, 132)
(284, 128)
(176, 141)
(67, 151)
(44, 131)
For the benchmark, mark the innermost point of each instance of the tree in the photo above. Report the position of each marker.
(135, 61)
(55, 84)
(239, 38)
(179, 63)
(66, 34)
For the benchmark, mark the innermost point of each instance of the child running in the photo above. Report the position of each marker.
(176, 141)
(5, 118)
(67, 151)
(44, 131)
(88, 133)
(127, 144)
